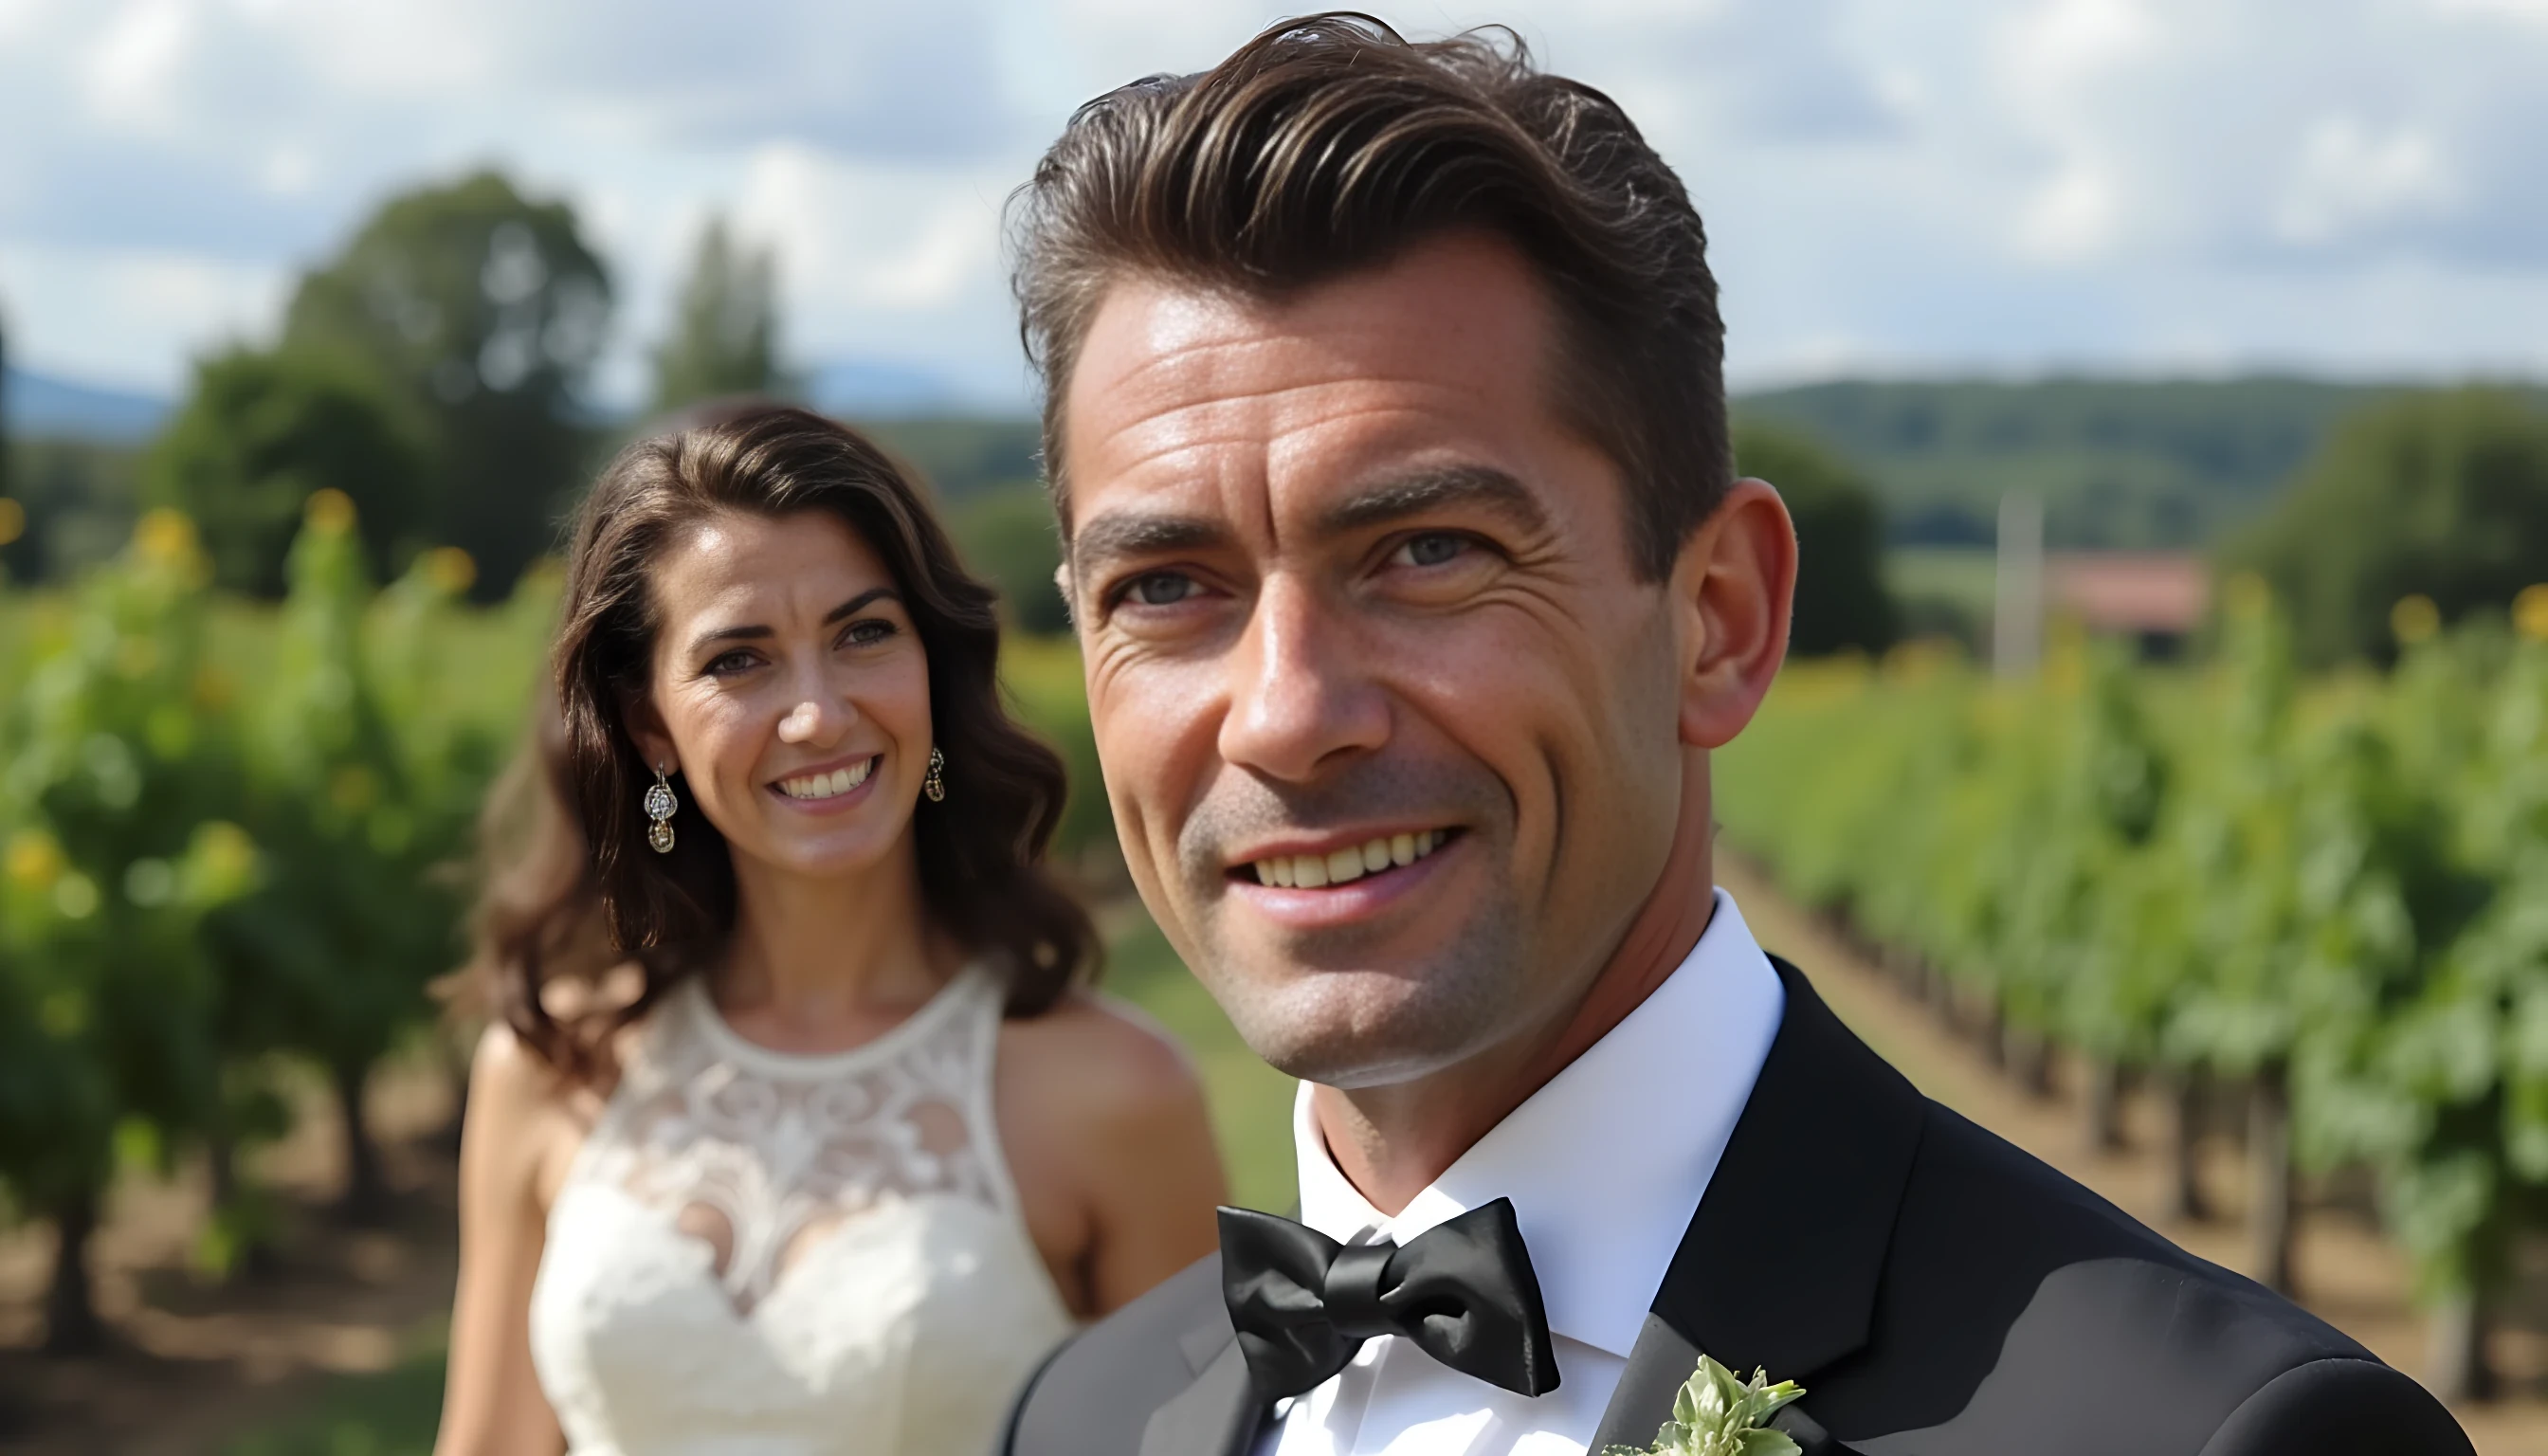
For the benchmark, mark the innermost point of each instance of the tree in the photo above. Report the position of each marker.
(261, 431)
(482, 314)
(13, 511)
(1008, 538)
(2442, 495)
(364, 793)
(1841, 596)
(117, 841)
(724, 338)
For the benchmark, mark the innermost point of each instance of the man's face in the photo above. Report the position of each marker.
(1388, 724)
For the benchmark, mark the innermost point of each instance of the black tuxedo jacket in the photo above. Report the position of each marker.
(1934, 1290)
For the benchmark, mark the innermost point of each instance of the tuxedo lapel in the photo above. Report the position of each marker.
(1218, 1413)
(1778, 1267)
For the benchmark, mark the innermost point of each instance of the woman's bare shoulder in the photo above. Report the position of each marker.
(524, 1121)
(1107, 1060)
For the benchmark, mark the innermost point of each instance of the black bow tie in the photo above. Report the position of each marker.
(1463, 1292)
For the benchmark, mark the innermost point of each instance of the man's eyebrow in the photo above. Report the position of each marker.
(756, 631)
(1118, 534)
(1433, 489)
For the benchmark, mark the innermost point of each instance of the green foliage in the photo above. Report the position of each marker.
(230, 834)
(366, 776)
(2124, 464)
(77, 502)
(2337, 888)
(481, 312)
(963, 458)
(2439, 495)
(387, 1413)
(724, 338)
(117, 817)
(1717, 1412)
(1048, 692)
(1008, 538)
(1841, 596)
(260, 433)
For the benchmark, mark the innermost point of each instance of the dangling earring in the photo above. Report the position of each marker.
(660, 807)
(935, 785)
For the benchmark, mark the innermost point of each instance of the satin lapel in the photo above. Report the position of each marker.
(1778, 1267)
(1217, 1415)
(1659, 1365)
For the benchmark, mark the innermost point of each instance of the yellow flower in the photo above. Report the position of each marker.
(330, 511)
(2246, 595)
(450, 570)
(63, 1015)
(135, 657)
(35, 860)
(351, 789)
(164, 537)
(2415, 619)
(227, 850)
(214, 689)
(13, 521)
(2530, 612)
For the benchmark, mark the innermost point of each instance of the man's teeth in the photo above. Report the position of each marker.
(1316, 871)
(826, 785)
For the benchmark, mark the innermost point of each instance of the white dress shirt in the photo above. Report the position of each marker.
(1605, 1167)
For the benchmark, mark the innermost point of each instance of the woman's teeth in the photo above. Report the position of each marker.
(1316, 871)
(826, 785)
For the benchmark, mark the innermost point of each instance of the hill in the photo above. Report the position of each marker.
(43, 405)
(2119, 463)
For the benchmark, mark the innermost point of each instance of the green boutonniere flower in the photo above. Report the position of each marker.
(1719, 1414)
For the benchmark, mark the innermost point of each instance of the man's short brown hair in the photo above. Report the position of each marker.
(1329, 144)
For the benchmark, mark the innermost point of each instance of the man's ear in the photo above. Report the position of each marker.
(1733, 587)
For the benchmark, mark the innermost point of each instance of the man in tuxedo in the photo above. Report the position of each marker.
(1386, 423)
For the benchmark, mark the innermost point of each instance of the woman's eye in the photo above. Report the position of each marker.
(1434, 548)
(863, 632)
(726, 663)
(1160, 589)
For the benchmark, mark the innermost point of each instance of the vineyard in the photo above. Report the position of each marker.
(238, 848)
(2323, 903)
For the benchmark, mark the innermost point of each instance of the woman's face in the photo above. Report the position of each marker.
(790, 691)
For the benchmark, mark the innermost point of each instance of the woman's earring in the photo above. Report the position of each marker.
(660, 807)
(935, 785)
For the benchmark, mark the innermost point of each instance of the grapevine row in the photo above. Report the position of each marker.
(2333, 901)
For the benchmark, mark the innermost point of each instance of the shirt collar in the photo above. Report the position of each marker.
(1606, 1162)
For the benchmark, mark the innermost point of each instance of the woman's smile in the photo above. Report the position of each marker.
(828, 788)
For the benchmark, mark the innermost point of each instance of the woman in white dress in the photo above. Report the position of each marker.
(851, 1148)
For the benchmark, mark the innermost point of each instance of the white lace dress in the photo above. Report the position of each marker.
(759, 1254)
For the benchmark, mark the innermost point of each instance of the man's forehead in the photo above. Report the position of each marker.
(1179, 384)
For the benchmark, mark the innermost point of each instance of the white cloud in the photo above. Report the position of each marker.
(1888, 183)
(132, 318)
(2349, 177)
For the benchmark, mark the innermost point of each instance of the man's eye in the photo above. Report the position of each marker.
(1434, 548)
(1160, 589)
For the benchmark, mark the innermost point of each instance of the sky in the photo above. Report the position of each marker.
(1894, 187)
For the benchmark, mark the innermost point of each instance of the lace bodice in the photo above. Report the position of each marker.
(771, 1254)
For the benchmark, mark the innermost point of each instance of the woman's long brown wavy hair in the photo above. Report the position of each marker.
(981, 850)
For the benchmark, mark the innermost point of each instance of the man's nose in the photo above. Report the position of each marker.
(1299, 689)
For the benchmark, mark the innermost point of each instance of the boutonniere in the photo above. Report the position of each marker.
(1719, 1414)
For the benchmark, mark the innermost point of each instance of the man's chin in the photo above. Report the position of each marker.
(1357, 1027)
